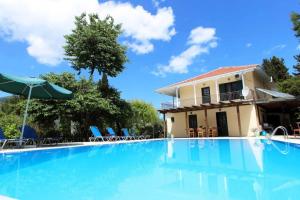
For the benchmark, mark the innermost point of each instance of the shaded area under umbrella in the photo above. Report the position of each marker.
(32, 88)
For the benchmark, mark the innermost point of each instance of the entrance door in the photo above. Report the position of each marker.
(193, 121)
(205, 95)
(222, 123)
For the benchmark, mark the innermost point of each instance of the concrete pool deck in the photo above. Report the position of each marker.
(290, 139)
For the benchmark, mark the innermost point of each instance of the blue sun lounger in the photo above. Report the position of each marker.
(126, 134)
(112, 133)
(4, 141)
(97, 135)
(30, 136)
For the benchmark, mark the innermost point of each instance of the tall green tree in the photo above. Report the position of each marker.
(93, 45)
(290, 86)
(295, 17)
(144, 115)
(86, 108)
(275, 68)
(297, 66)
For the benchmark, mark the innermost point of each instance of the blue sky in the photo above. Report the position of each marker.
(169, 40)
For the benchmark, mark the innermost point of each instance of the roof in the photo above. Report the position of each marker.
(276, 93)
(219, 71)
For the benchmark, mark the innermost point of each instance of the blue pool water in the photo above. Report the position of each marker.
(154, 170)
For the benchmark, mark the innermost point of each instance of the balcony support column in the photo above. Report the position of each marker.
(243, 81)
(173, 105)
(177, 98)
(206, 121)
(217, 91)
(195, 94)
(239, 119)
(186, 124)
(165, 125)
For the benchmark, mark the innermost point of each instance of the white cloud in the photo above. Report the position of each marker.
(157, 3)
(275, 48)
(298, 47)
(200, 41)
(42, 24)
(248, 45)
(201, 35)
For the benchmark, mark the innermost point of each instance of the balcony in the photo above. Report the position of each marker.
(213, 98)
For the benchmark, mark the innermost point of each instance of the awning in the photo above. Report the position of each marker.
(276, 94)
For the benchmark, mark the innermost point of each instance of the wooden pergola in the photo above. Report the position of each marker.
(205, 107)
(278, 104)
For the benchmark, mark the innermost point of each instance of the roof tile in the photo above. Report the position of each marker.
(216, 72)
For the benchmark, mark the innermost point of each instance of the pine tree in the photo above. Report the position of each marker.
(295, 17)
(297, 66)
(276, 68)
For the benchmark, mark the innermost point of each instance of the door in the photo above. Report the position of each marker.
(222, 123)
(205, 95)
(193, 121)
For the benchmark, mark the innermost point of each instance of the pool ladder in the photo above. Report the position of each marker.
(285, 132)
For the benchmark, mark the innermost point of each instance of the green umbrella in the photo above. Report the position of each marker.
(32, 88)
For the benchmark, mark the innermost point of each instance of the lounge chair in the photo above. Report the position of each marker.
(97, 135)
(4, 141)
(30, 136)
(139, 137)
(112, 133)
(126, 134)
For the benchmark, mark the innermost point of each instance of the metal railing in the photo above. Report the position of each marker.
(213, 98)
(167, 105)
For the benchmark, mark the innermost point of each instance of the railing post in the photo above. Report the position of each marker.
(217, 90)
(177, 99)
(195, 94)
(243, 81)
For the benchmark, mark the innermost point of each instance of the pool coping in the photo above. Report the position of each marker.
(74, 145)
(86, 144)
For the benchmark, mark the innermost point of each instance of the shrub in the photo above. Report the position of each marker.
(10, 125)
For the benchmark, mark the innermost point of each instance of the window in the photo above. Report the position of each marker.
(230, 91)
(205, 95)
(172, 119)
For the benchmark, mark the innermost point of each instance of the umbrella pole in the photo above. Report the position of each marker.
(25, 114)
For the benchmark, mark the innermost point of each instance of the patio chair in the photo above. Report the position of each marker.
(126, 134)
(31, 137)
(191, 132)
(212, 132)
(295, 130)
(97, 135)
(201, 132)
(112, 133)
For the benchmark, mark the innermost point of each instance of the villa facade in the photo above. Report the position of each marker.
(236, 100)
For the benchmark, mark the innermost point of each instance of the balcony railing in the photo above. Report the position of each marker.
(167, 105)
(231, 96)
(213, 98)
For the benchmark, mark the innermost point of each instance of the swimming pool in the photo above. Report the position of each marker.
(164, 169)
